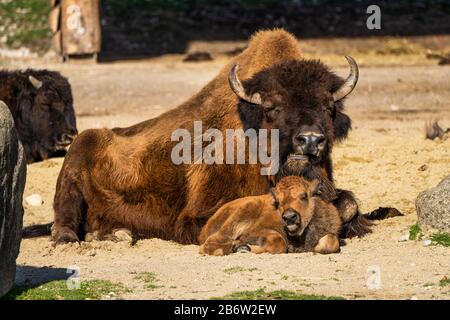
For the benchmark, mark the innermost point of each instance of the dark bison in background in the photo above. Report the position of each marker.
(125, 178)
(42, 107)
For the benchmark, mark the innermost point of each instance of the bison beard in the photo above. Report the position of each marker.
(124, 177)
(42, 106)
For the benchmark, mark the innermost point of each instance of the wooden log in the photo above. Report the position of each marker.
(54, 18)
(80, 27)
(56, 42)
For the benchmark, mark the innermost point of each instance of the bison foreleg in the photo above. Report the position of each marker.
(191, 221)
(70, 211)
(346, 205)
(354, 224)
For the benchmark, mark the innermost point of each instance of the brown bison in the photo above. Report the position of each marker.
(42, 107)
(293, 218)
(125, 177)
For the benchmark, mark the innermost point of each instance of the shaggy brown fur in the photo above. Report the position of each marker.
(124, 177)
(44, 116)
(258, 224)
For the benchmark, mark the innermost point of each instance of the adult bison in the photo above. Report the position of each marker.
(42, 107)
(125, 177)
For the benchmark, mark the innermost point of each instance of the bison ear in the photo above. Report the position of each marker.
(342, 125)
(35, 82)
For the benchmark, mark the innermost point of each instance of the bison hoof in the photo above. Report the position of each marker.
(242, 248)
(64, 235)
(66, 238)
(122, 235)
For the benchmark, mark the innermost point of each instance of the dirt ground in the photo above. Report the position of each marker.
(379, 161)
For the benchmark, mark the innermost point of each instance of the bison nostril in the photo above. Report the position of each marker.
(73, 132)
(303, 140)
(66, 138)
(321, 140)
(310, 143)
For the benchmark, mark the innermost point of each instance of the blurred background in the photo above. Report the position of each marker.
(150, 28)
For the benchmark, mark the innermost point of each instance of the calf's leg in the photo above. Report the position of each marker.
(217, 245)
(266, 241)
(327, 244)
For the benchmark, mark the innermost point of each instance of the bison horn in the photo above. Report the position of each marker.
(35, 82)
(238, 88)
(351, 81)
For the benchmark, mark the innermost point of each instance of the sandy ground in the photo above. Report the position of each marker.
(379, 162)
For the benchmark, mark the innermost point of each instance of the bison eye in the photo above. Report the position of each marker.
(330, 107)
(303, 197)
(273, 113)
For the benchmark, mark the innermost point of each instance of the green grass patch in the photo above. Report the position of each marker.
(441, 238)
(149, 279)
(238, 270)
(415, 233)
(25, 23)
(58, 290)
(261, 294)
(445, 281)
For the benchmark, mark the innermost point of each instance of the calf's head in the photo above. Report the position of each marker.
(294, 199)
(301, 98)
(47, 114)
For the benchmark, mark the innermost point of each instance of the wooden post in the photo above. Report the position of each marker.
(76, 27)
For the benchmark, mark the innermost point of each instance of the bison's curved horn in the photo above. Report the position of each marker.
(238, 88)
(351, 81)
(35, 82)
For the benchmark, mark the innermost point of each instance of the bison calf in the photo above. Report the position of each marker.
(292, 219)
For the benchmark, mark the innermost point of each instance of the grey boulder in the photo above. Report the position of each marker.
(12, 183)
(433, 207)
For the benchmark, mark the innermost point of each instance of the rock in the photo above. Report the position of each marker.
(34, 200)
(426, 243)
(198, 56)
(91, 253)
(12, 183)
(433, 207)
(403, 238)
